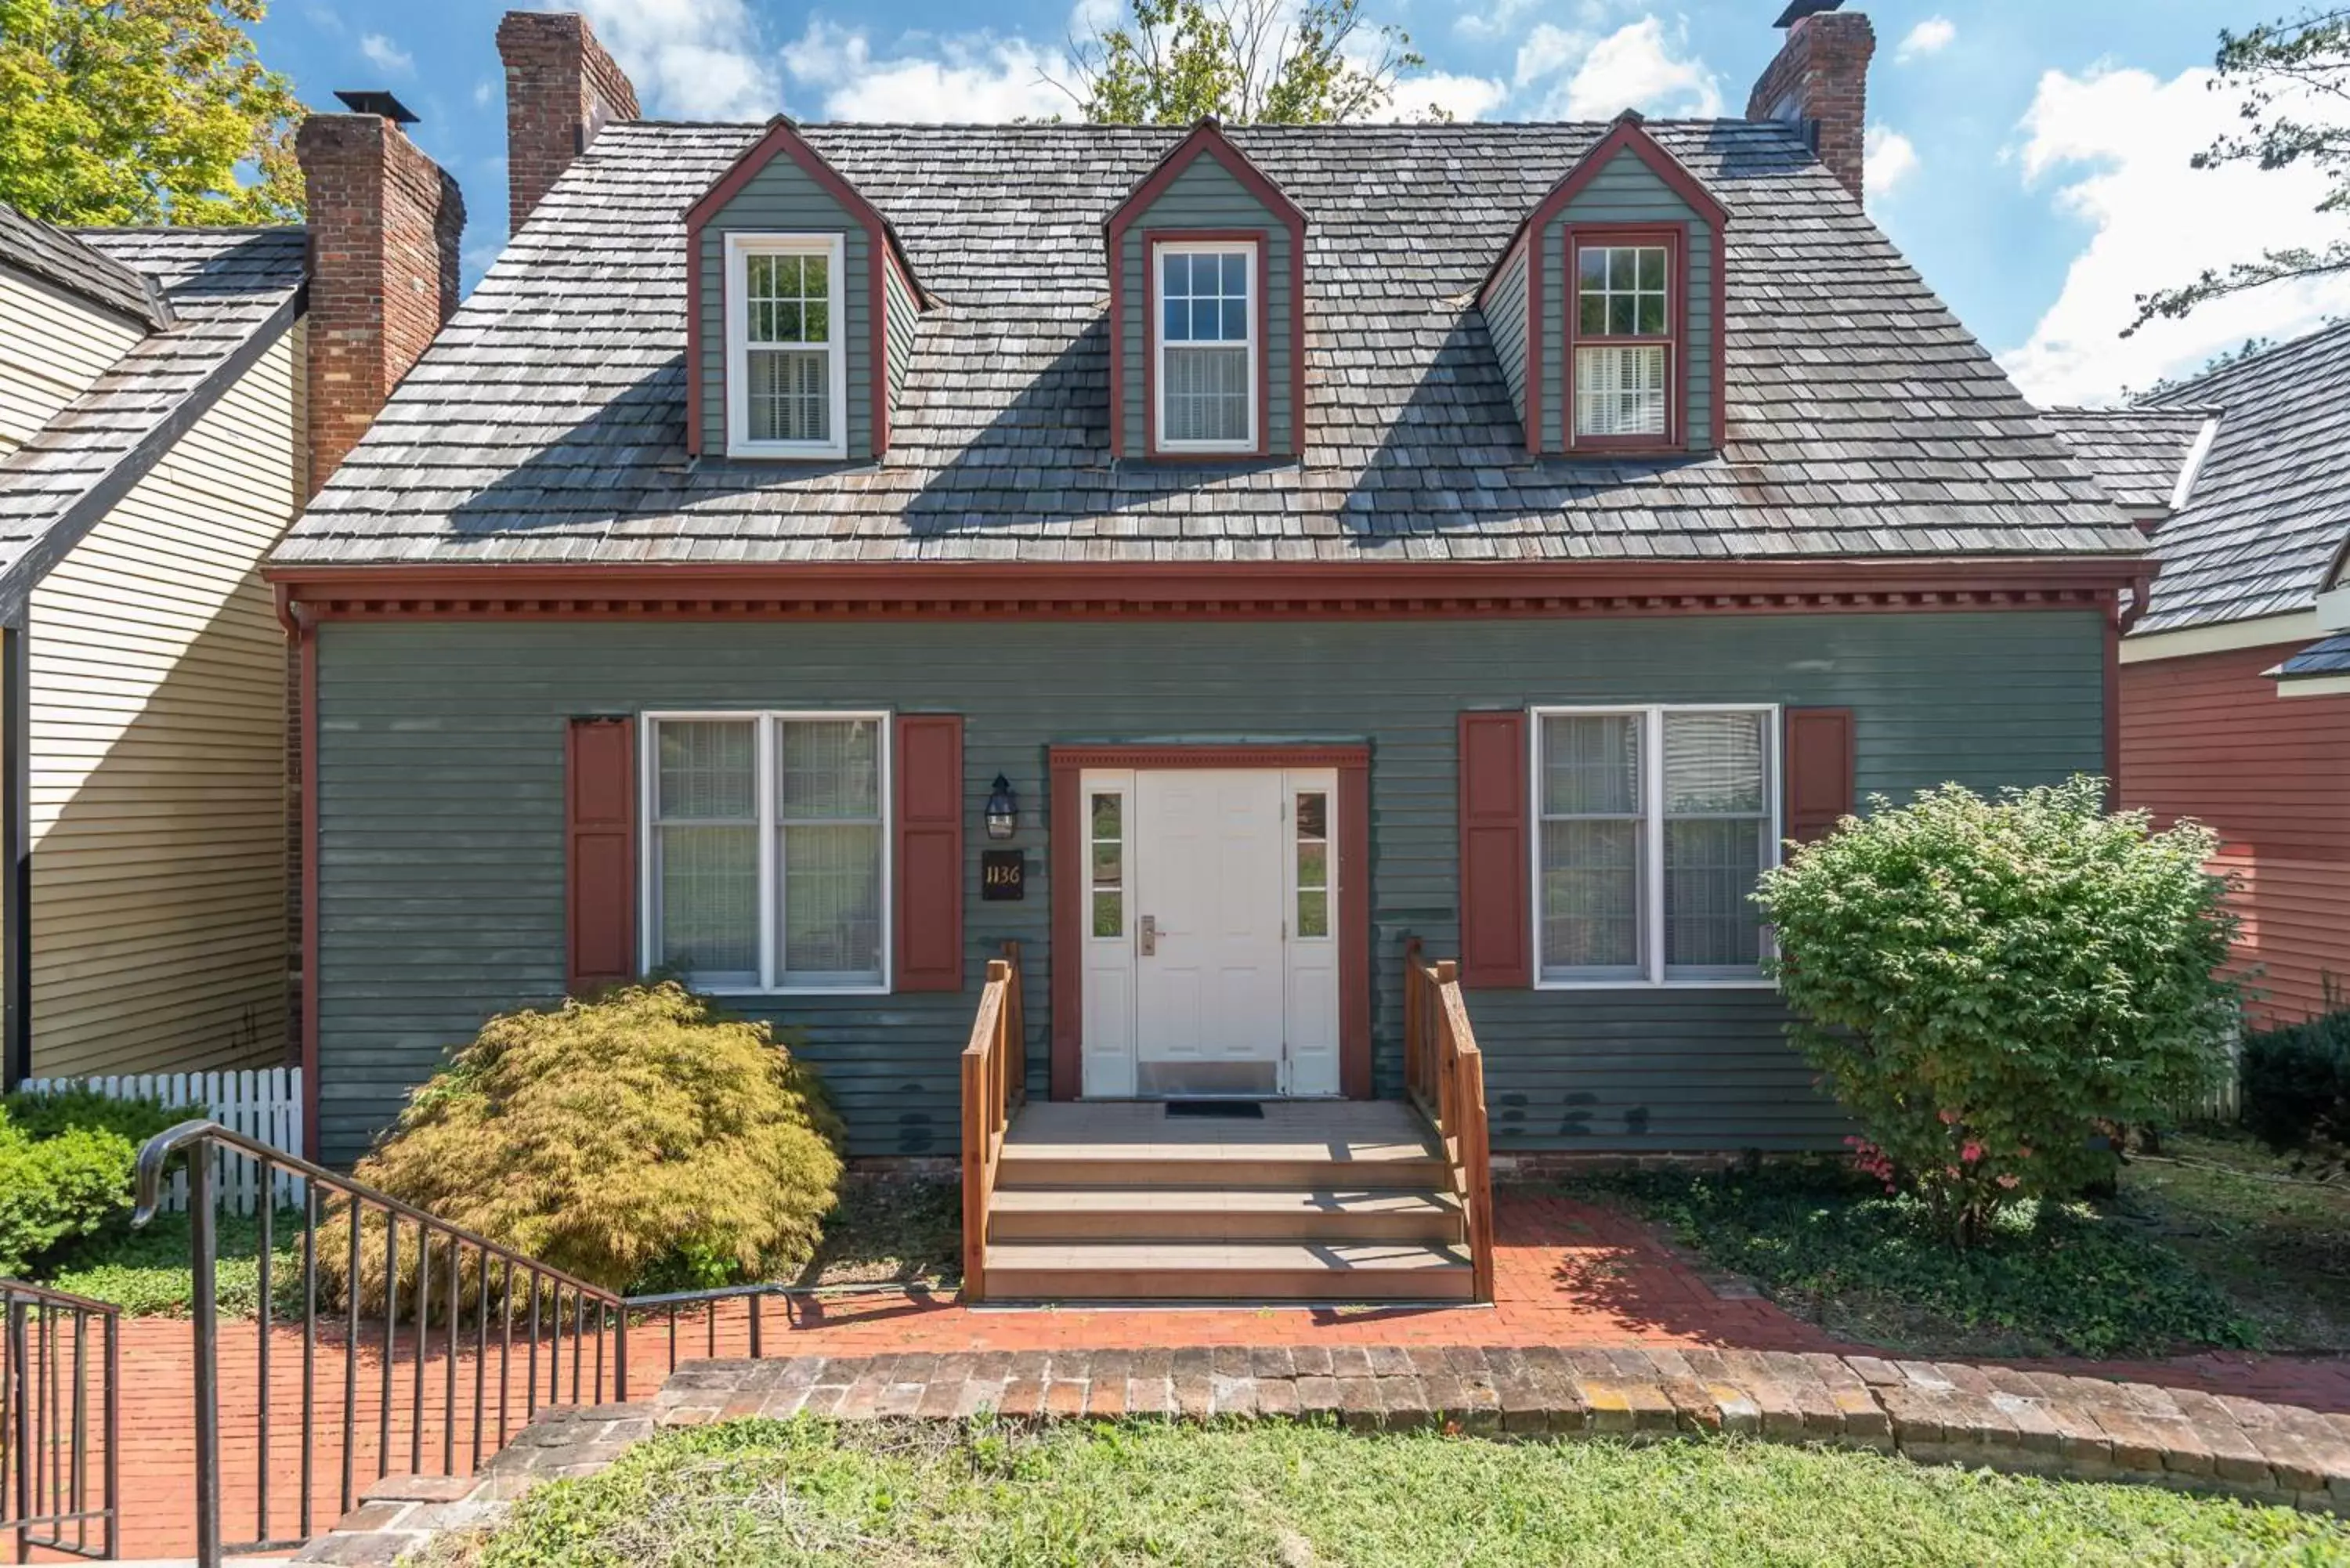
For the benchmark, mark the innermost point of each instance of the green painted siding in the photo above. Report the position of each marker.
(781, 199)
(903, 312)
(1628, 191)
(439, 772)
(1206, 196)
(1506, 324)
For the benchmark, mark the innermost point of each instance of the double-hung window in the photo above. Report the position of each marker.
(767, 850)
(786, 364)
(1623, 342)
(1654, 823)
(1204, 299)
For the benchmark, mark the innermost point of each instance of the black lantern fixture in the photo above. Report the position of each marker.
(1002, 809)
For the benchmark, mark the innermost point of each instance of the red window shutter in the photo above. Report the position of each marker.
(1496, 946)
(600, 821)
(1819, 769)
(930, 852)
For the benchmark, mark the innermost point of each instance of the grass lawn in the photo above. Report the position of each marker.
(1290, 1496)
(2073, 1278)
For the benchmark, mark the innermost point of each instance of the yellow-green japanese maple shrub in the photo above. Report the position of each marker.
(638, 1141)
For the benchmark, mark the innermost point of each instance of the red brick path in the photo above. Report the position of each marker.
(1569, 1274)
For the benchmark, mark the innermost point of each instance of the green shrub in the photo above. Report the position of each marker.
(637, 1140)
(66, 1160)
(2297, 1080)
(1988, 986)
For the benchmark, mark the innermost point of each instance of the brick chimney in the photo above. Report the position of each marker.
(384, 222)
(1820, 83)
(561, 89)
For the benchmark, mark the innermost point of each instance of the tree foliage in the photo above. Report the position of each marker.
(1172, 62)
(1987, 986)
(143, 111)
(2291, 72)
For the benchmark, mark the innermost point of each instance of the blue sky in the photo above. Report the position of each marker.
(2030, 156)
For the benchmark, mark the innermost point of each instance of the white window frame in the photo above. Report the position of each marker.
(1250, 350)
(740, 249)
(771, 908)
(1652, 842)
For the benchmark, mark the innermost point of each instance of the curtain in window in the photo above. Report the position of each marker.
(791, 394)
(828, 809)
(1620, 392)
(706, 841)
(1593, 812)
(1206, 394)
(1715, 804)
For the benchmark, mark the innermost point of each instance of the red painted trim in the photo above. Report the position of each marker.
(1207, 139)
(1721, 334)
(306, 652)
(1066, 764)
(1816, 762)
(1537, 265)
(2111, 671)
(878, 261)
(1495, 823)
(930, 816)
(1629, 134)
(581, 891)
(1151, 240)
(1573, 238)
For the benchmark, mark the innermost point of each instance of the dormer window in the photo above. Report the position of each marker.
(1206, 371)
(787, 370)
(1624, 342)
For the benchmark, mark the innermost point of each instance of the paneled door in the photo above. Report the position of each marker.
(1209, 1006)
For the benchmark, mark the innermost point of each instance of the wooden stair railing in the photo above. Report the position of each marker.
(994, 1074)
(1444, 1074)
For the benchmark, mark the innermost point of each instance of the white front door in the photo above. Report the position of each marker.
(1210, 964)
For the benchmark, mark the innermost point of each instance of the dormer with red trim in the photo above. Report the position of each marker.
(1207, 285)
(1607, 306)
(800, 311)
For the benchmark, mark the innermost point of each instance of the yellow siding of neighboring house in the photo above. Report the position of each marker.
(158, 727)
(53, 346)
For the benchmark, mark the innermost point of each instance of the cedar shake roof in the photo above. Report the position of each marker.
(547, 424)
(229, 292)
(57, 257)
(2269, 512)
(2137, 455)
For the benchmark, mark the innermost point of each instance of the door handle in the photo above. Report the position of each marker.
(1149, 935)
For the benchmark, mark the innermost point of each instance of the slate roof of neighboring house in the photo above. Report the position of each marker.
(2137, 455)
(2270, 508)
(2331, 656)
(545, 423)
(59, 258)
(227, 288)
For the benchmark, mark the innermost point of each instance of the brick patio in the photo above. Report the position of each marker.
(1570, 1276)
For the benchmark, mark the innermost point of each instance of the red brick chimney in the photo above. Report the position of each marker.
(561, 89)
(384, 221)
(1819, 82)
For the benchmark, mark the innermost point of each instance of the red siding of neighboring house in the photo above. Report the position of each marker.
(2208, 737)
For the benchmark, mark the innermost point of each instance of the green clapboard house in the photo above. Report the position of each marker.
(816, 557)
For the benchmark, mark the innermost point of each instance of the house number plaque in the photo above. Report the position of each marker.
(1002, 875)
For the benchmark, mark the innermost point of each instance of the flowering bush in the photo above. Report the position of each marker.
(1986, 986)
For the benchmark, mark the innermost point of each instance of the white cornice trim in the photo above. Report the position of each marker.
(2228, 637)
(2315, 686)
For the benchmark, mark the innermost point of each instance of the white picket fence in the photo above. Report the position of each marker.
(264, 1105)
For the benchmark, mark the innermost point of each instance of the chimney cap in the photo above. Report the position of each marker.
(378, 103)
(1798, 9)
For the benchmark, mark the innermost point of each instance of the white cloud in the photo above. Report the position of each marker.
(978, 79)
(1891, 156)
(2119, 142)
(1462, 97)
(1930, 36)
(1488, 20)
(1638, 66)
(701, 60)
(386, 55)
(484, 91)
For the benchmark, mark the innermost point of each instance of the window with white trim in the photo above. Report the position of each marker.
(1653, 825)
(787, 364)
(1203, 295)
(1624, 345)
(767, 849)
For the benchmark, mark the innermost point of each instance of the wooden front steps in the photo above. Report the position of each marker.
(1337, 1201)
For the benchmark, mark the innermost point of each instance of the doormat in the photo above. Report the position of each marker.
(1223, 1110)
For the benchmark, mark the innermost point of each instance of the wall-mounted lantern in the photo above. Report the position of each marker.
(1002, 809)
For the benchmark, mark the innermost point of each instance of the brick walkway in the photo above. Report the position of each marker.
(1568, 1275)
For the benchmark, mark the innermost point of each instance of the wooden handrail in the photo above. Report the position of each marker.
(1444, 1074)
(993, 1085)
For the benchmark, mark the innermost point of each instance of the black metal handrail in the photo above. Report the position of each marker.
(503, 1292)
(50, 1460)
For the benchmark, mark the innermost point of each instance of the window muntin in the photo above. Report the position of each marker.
(1653, 825)
(1205, 300)
(1623, 356)
(769, 850)
(1106, 845)
(1311, 810)
(786, 352)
